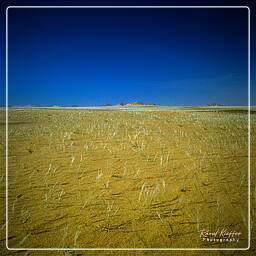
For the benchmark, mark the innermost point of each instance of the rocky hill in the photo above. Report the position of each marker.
(135, 103)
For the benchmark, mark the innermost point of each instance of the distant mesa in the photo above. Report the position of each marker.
(134, 104)
(106, 105)
(27, 106)
(120, 104)
(54, 106)
(214, 105)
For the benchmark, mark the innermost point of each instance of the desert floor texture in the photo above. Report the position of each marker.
(138, 177)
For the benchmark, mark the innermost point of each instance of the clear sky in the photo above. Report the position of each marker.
(92, 57)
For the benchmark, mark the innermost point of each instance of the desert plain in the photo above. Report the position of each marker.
(126, 177)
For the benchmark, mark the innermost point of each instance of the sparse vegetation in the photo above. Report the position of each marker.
(140, 178)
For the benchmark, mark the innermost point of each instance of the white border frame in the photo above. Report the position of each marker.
(132, 249)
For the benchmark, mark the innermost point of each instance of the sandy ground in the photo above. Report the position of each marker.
(110, 178)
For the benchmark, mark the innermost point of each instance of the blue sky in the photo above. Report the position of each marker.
(91, 57)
